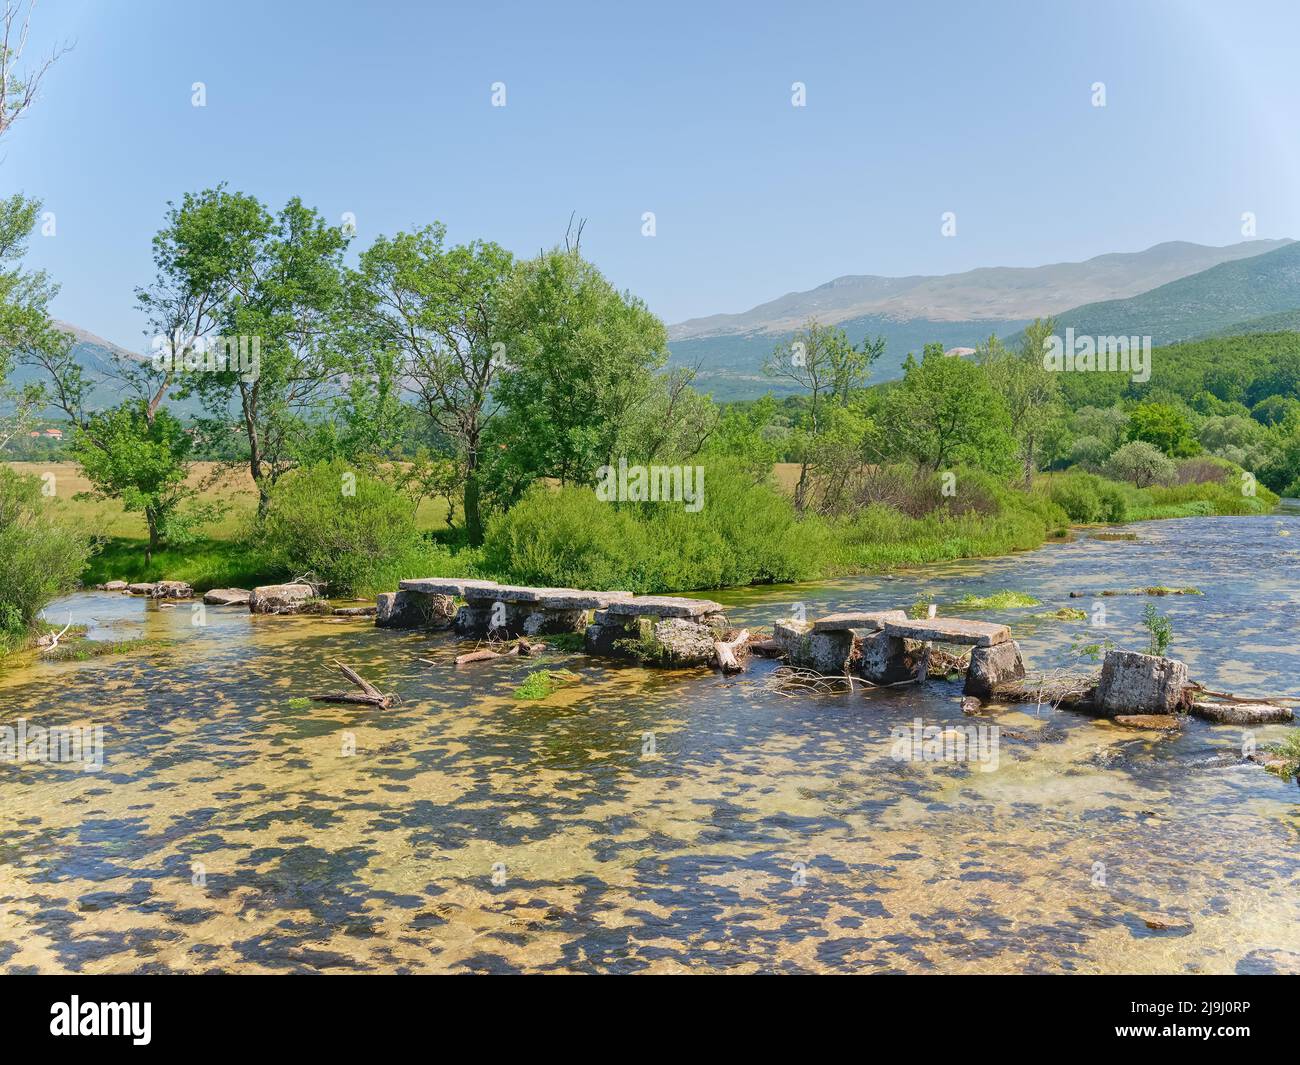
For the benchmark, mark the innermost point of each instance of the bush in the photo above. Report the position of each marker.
(359, 543)
(1140, 463)
(745, 533)
(43, 556)
(1087, 498)
(565, 538)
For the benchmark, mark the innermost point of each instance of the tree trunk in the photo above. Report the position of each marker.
(151, 519)
(473, 520)
(801, 489)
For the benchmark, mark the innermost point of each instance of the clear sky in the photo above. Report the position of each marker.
(684, 109)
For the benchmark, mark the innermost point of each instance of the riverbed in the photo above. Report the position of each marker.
(661, 821)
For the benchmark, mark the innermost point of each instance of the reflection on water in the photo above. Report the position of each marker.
(230, 831)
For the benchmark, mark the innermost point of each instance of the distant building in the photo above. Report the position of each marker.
(960, 352)
(53, 434)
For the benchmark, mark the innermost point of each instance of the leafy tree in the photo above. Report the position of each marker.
(25, 325)
(1142, 463)
(1030, 390)
(580, 362)
(821, 361)
(272, 288)
(437, 309)
(1165, 426)
(945, 412)
(43, 556)
(142, 459)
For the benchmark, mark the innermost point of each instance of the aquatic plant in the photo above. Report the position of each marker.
(1160, 628)
(1066, 613)
(1003, 600)
(543, 682)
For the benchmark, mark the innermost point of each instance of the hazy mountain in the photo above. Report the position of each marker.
(989, 293)
(960, 310)
(1249, 295)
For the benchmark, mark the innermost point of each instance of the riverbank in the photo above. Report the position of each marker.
(467, 828)
(560, 538)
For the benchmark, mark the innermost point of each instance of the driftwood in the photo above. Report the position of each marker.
(48, 648)
(1241, 698)
(369, 695)
(726, 650)
(519, 647)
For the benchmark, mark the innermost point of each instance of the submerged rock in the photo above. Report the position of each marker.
(1158, 722)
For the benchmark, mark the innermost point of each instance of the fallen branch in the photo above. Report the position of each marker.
(520, 647)
(726, 650)
(370, 695)
(1241, 698)
(55, 636)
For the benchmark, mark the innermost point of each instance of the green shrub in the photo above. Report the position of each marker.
(566, 538)
(746, 532)
(359, 542)
(42, 555)
(1087, 498)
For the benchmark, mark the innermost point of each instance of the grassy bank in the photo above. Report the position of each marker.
(747, 534)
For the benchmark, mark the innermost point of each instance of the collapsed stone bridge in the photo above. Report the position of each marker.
(882, 647)
(669, 629)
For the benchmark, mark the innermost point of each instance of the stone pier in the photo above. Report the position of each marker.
(658, 629)
(883, 646)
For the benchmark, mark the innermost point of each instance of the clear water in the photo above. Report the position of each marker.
(228, 830)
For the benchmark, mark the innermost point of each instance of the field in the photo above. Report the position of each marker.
(223, 555)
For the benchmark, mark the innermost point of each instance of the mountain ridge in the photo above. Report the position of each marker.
(985, 293)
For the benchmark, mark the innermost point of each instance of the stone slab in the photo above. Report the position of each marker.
(873, 620)
(1242, 713)
(664, 606)
(457, 586)
(226, 596)
(950, 630)
(279, 598)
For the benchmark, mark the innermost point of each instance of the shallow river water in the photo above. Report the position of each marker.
(660, 821)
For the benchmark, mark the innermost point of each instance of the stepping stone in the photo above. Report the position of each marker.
(115, 586)
(456, 586)
(950, 630)
(142, 588)
(664, 606)
(873, 620)
(226, 597)
(1242, 713)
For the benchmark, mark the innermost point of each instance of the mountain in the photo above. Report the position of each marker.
(991, 292)
(1246, 296)
(952, 309)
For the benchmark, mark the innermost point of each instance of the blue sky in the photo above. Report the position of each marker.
(384, 110)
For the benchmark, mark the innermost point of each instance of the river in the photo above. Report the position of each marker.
(660, 821)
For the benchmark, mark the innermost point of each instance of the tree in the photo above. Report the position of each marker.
(18, 89)
(1030, 390)
(142, 459)
(822, 362)
(945, 413)
(1141, 463)
(580, 360)
(25, 325)
(437, 308)
(1165, 426)
(272, 290)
